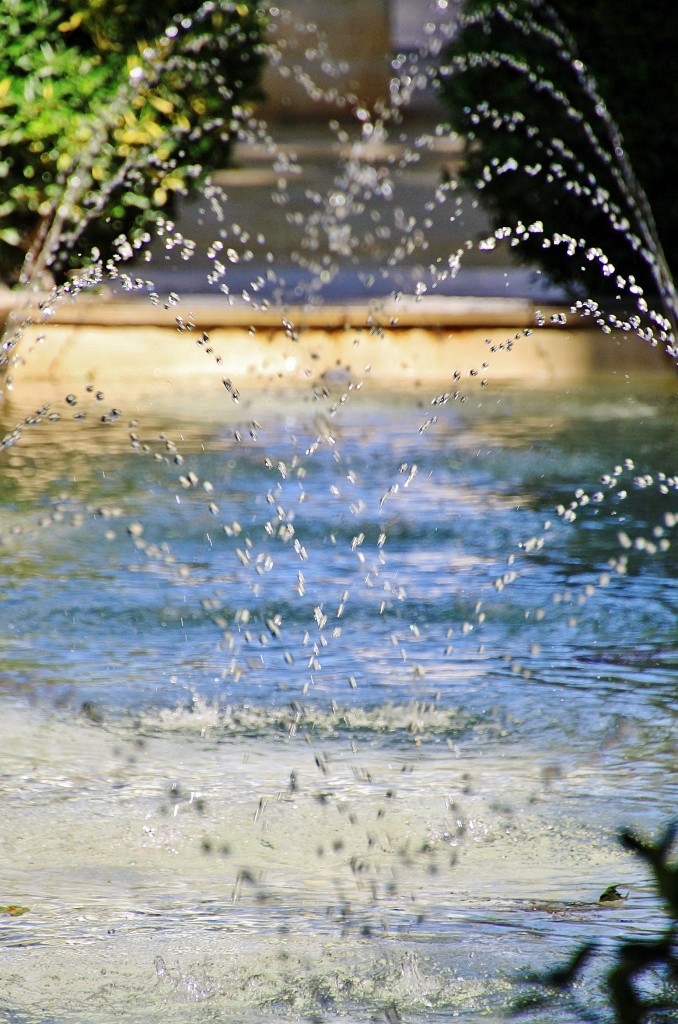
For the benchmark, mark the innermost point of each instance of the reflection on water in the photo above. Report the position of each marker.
(305, 714)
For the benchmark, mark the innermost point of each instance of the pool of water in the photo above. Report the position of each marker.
(329, 704)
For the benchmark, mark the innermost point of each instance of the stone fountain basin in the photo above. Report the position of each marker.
(392, 343)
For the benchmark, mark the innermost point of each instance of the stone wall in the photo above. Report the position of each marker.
(329, 50)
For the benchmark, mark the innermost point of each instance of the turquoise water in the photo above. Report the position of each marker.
(315, 708)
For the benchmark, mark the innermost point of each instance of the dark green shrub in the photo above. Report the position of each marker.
(542, 147)
(108, 110)
(641, 983)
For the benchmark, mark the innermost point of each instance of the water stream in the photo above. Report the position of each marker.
(327, 703)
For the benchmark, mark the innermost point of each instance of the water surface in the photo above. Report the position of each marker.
(314, 707)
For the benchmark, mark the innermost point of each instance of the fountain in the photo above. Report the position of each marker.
(330, 665)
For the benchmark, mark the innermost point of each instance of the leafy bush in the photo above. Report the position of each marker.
(108, 110)
(641, 984)
(542, 145)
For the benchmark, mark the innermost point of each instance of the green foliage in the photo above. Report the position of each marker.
(539, 91)
(108, 110)
(641, 984)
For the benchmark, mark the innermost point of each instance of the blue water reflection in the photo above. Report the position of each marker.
(344, 554)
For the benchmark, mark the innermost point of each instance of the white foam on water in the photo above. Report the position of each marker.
(174, 872)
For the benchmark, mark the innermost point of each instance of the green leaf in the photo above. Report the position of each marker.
(13, 909)
(612, 895)
(563, 977)
(10, 236)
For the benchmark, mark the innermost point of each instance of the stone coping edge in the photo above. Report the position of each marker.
(207, 312)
